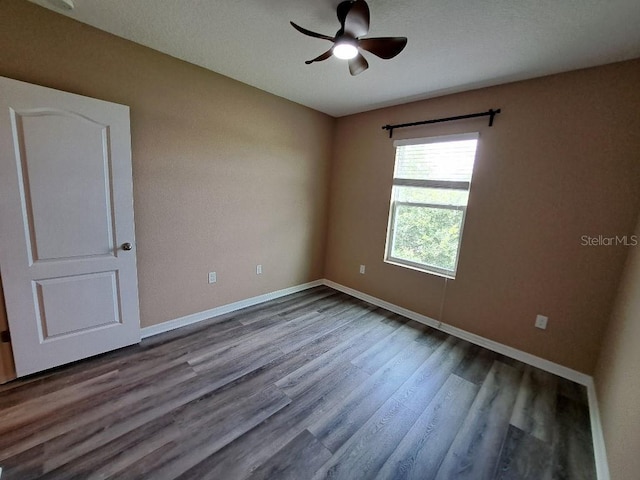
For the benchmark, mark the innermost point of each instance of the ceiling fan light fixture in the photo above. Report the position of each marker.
(62, 4)
(345, 50)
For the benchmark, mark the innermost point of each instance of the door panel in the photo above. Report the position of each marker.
(71, 218)
(72, 304)
(66, 204)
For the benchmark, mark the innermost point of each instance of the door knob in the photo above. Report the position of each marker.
(127, 246)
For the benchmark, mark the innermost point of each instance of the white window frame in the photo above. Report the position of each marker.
(453, 185)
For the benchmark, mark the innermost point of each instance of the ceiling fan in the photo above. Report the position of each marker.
(354, 23)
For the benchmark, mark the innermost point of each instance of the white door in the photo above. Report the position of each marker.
(67, 248)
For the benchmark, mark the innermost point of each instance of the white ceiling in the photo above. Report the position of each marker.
(454, 45)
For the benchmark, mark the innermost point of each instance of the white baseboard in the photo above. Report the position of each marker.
(599, 450)
(231, 307)
(602, 468)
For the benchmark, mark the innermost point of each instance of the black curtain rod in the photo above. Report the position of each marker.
(489, 113)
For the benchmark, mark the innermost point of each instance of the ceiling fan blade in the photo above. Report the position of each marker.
(384, 47)
(356, 22)
(343, 9)
(358, 65)
(322, 57)
(310, 33)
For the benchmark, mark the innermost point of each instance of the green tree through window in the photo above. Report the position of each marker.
(428, 236)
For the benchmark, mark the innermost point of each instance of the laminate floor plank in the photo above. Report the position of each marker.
(240, 458)
(357, 326)
(189, 334)
(215, 429)
(418, 391)
(227, 348)
(336, 358)
(512, 362)
(39, 385)
(232, 366)
(275, 332)
(184, 393)
(215, 339)
(295, 460)
(287, 363)
(573, 391)
(376, 356)
(87, 426)
(129, 361)
(33, 410)
(256, 352)
(277, 306)
(476, 364)
(289, 306)
(344, 302)
(420, 453)
(236, 341)
(13, 468)
(288, 310)
(301, 337)
(337, 425)
(111, 458)
(535, 407)
(366, 451)
(279, 368)
(310, 303)
(573, 448)
(315, 384)
(524, 457)
(475, 451)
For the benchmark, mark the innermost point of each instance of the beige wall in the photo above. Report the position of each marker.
(560, 162)
(618, 375)
(225, 176)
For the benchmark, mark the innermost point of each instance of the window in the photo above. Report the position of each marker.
(431, 184)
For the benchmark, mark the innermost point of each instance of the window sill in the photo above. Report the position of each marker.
(400, 263)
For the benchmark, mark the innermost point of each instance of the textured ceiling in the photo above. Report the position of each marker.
(454, 45)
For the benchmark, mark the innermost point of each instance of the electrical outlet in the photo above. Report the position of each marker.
(362, 269)
(212, 277)
(541, 322)
(259, 270)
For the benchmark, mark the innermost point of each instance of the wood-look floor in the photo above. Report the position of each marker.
(310, 386)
